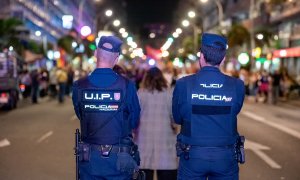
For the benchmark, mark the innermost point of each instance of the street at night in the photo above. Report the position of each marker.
(41, 141)
(149, 89)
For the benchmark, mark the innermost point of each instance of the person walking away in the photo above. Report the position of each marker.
(35, 82)
(108, 109)
(156, 134)
(206, 106)
(62, 78)
(52, 83)
(276, 79)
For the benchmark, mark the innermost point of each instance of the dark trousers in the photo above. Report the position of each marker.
(209, 164)
(161, 174)
(34, 93)
(101, 168)
(62, 91)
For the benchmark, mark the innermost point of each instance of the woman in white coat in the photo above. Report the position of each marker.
(156, 134)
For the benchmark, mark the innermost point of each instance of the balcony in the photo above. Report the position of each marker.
(287, 10)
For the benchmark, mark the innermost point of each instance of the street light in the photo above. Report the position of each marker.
(38, 33)
(125, 35)
(191, 14)
(122, 30)
(260, 36)
(179, 30)
(185, 23)
(116, 23)
(108, 13)
(175, 35)
(152, 35)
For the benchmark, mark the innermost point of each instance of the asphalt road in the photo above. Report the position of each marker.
(36, 142)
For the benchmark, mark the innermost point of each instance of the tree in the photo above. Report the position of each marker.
(238, 35)
(9, 34)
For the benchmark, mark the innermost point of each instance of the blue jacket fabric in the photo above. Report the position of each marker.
(206, 104)
(101, 97)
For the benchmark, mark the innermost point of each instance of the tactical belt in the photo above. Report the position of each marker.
(111, 148)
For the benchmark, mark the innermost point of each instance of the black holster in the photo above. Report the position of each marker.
(240, 149)
(183, 149)
(84, 152)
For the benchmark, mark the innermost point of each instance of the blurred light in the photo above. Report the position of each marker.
(258, 64)
(181, 50)
(104, 33)
(92, 60)
(90, 37)
(267, 64)
(191, 14)
(260, 36)
(74, 44)
(198, 54)
(56, 54)
(124, 51)
(167, 44)
(67, 21)
(108, 13)
(85, 31)
(203, 1)
(125, 35)
(185, 23)
(257, 52)
(243, 58)
(129, 39)
(192, 57)
(276, 37)
(179, 30)
(175, 35)
(283, 53)
(117, 22)
(152, 35)
(56, 2)
(151, 62)
(50, 54)
(122, 30)
(92, 46)
(133, 45)
(177, 62)
(276, 61)
(11, 48)
(165, 54)
(132, 55)
(38, 33)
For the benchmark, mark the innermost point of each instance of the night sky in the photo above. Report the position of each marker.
(145, 16)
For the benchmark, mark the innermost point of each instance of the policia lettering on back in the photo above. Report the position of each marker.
(206, 105)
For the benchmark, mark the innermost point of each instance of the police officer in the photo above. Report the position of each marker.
(108, 109)
(206, 105)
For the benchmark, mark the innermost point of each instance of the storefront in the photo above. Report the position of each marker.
(290, 59)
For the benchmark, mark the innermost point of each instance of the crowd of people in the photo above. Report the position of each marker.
(56, 83)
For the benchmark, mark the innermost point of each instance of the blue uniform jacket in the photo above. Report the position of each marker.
(206, 104)
(105, 77)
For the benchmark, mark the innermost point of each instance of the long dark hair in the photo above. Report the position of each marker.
(154, 80)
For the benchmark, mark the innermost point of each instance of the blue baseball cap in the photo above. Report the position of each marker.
(110, 43)
(213, 48)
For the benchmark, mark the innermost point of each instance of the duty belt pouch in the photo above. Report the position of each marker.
(240, 150)
(84, 152)
(105, 150)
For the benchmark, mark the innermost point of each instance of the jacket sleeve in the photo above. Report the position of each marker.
(75, 100)
(240, 88)
(133, 105)
(176, 102)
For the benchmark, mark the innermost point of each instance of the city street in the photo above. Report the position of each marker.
(36, 141)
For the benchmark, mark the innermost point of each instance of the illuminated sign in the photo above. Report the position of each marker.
(290, 52)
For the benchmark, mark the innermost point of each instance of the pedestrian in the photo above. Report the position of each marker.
(52, 83)
(26, 81)
(263, 84)
(276, 80)
(206, 105)
(156, 134)
(62, 78)
(35, 83)
(70, 80)
(108, 109)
